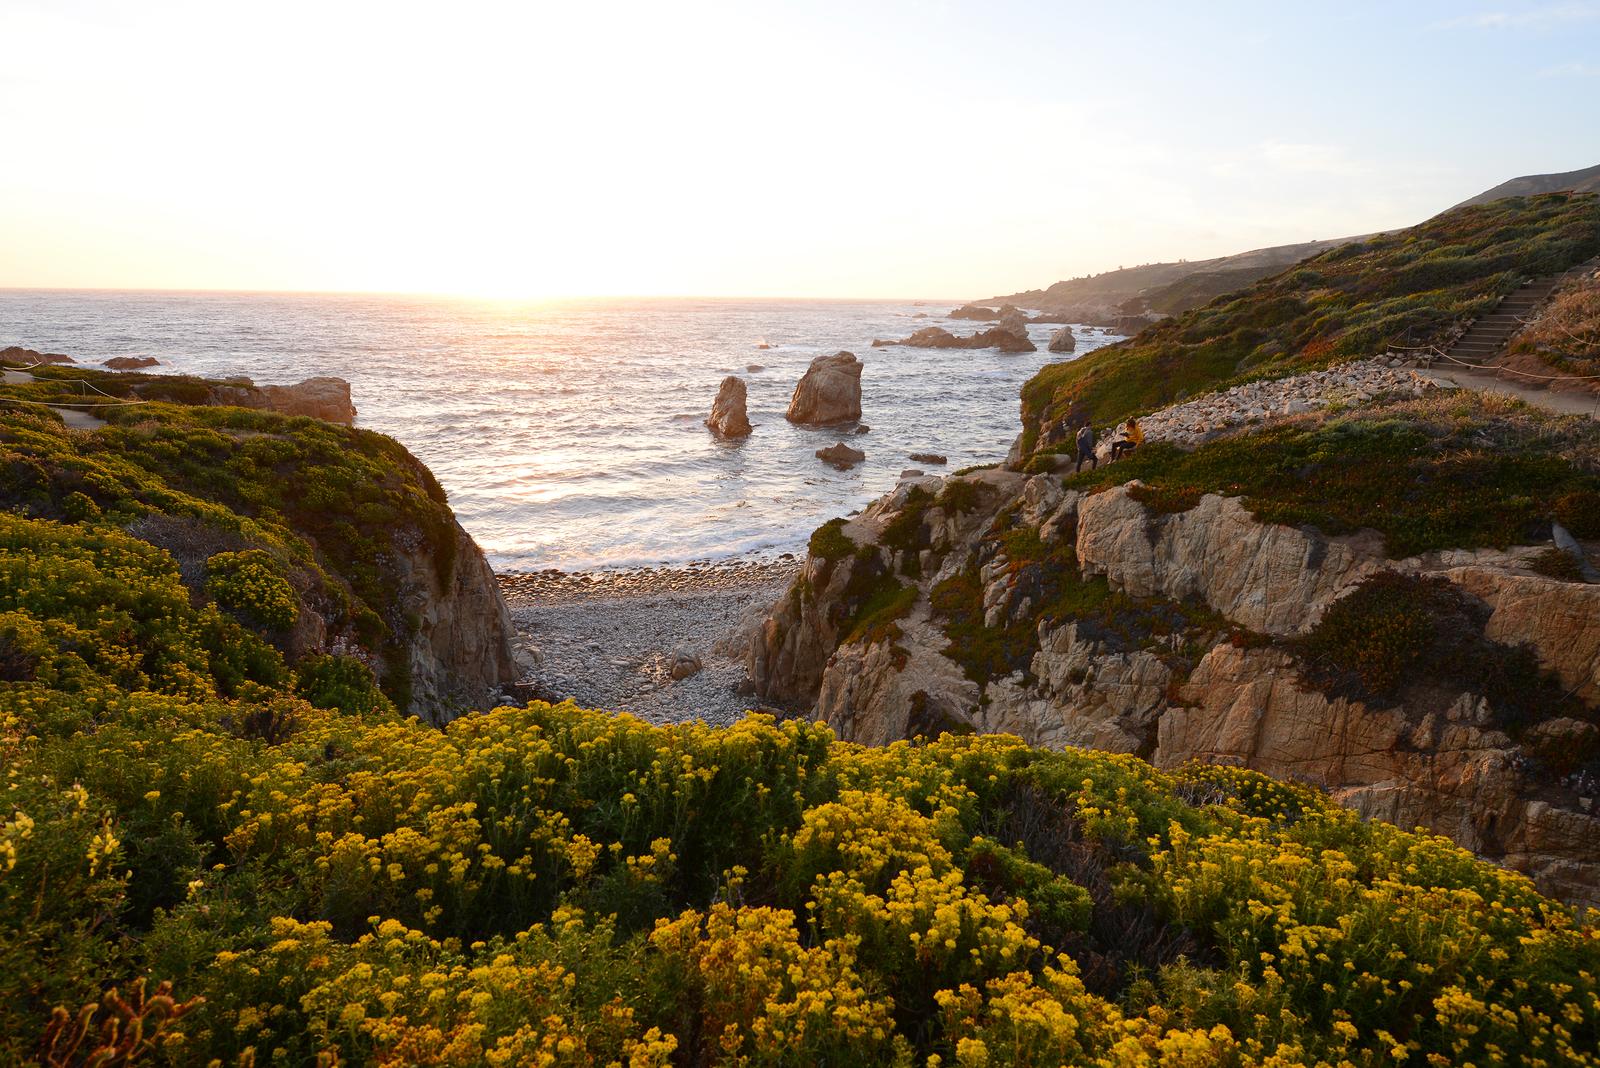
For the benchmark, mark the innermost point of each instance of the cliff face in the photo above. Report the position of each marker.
(460, 654)
(1073, 620)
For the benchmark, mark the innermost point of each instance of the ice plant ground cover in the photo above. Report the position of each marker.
(319, 878)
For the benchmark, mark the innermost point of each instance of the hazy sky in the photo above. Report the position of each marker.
(806, 149)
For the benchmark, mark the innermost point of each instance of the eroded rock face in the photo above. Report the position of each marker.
(829, 391)
(1062, 340)
(1085, 695)
(461, 657)
(1270, 578)
(1450, 772)
(728, 418)
(1561, 620)
(320, 398)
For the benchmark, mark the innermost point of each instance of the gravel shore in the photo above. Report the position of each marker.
(608, 639)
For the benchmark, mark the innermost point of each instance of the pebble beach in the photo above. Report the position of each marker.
(610, 638)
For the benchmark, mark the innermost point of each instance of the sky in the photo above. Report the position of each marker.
(807, 149)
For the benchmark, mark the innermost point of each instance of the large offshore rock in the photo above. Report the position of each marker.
(829, 391)
(728, 417)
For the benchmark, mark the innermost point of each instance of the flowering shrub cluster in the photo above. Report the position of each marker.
(209, 856)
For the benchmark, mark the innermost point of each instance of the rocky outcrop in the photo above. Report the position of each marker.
(728, 418)
(1186, 690)
(1273, 579)
(974, 312)
(1063, 340)
(841, 456)
(929, 458)
(460, 655)
(16, 354)
(1004, 338)
(130, 363)
(320, 398)
(829, 392)
(1447, 770)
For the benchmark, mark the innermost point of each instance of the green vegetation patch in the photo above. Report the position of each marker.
(1451, 472)
(1408, 287)
(1394, 633)
(275, 494)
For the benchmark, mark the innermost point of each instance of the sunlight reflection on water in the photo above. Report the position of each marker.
(569, 435)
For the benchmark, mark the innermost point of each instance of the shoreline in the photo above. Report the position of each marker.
(610, 638)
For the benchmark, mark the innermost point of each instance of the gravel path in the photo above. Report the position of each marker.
(608, 639)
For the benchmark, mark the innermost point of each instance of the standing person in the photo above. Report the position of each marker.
(1086, 449)
(1132, 437)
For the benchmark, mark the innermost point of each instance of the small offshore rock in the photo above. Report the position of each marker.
(1063, 341)
(841, 456)
(929, 458)
(130, 363)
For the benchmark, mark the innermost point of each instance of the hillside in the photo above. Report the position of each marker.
(1408, 287)
(349, 530)
(1529, 185)
(1163, 288)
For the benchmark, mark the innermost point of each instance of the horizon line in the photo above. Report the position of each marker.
(444, 295)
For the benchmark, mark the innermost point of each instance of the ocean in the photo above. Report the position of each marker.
(569, 435)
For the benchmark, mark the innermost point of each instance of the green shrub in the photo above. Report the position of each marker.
(830, 542)
(1423, 481)
(343, 683)
(251, 585)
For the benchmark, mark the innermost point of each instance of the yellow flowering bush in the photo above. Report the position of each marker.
(315, 880)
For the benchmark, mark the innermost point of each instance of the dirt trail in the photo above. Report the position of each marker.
(1539, 396)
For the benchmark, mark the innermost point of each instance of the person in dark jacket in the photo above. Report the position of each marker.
(1086, 449)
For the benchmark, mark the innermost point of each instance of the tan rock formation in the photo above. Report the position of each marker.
(1270, 578)
(1449, 772)
(728, 418)
(829, 391)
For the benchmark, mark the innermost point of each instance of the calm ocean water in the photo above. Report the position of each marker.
(569, 435)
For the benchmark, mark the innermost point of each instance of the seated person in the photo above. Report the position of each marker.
(1132, 437)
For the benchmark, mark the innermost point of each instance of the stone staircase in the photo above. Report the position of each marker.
(1487, 337)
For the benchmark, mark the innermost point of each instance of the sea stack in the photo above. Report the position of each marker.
(728, 418)
(829, 391)
(1063, 341)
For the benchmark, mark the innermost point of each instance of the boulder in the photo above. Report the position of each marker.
(1013, 321)
(829, 391)
(929, 458)
(18, 354)
(684, 665)
(728, 418)
(1063, 341)
(131, 363)
(841, 456)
